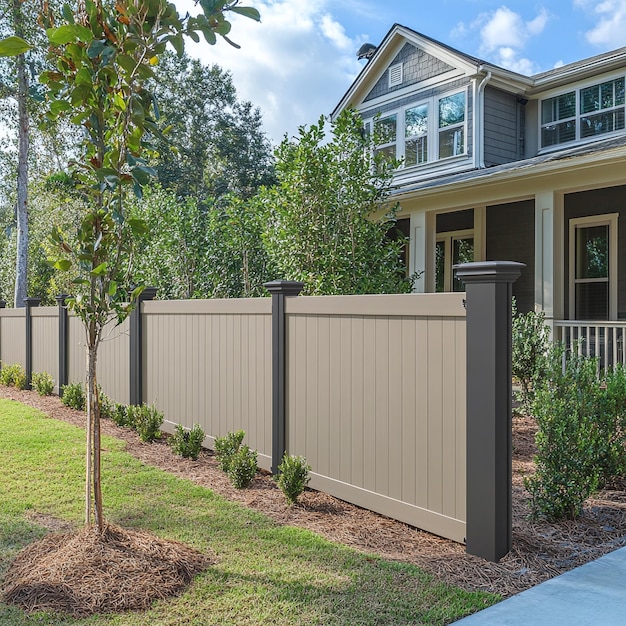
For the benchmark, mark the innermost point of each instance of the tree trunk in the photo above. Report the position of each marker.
(21, 208)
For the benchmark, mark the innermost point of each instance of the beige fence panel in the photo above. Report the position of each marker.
(114, 362)
(45, 342)
(376, 403)
(13, 336)
(209, 363)
(76, 351)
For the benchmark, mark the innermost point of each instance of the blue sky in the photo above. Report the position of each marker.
(298, 62)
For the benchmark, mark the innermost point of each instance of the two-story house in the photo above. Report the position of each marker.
(501, 166)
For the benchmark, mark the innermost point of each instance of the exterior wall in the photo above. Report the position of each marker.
(45, 322)
(209, 363)
(502, 127)
(598, 202)
(511, 236)
(376, 402)
(417, 67)
(12, 337)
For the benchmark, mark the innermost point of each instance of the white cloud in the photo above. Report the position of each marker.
(610, 17)
(504, 35)
(295, 65)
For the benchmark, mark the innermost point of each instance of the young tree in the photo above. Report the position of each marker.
(330, 213)
(103, 56)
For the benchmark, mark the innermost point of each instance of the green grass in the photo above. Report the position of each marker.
(263, 573)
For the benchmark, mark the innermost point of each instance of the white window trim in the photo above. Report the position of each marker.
(433, 129)
(449, 237)
(607, 219)
(597, 80)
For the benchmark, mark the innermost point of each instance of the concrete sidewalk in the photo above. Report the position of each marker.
(592, 594)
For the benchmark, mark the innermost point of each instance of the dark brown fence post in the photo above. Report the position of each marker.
(29, 303)
(62, 378)
(136, 347)
(489, 471)
(280, 289)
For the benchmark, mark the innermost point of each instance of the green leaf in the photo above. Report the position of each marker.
(138, 226)
(13, 46)
(95, 48)
(62, 265)
(83, 77)
(100, 270)
(178, 43)
(112, 288)
(63, 34)
(250, 12)
(127, 63)
(68, 14)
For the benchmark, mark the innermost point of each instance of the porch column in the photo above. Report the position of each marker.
(417, 250)
(280, 289)
(489, 465)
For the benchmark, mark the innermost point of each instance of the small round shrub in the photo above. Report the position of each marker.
(43, 383)
(13, 376)
(147, 421)
(243, 467)
(293, 476)
(226, 447)
(120, 415)
(107, 405)
(73, 395)
(187, 443)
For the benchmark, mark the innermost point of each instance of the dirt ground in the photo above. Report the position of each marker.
(540, 550)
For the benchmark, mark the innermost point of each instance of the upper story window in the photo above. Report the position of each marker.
(582, 113)
(417, 135)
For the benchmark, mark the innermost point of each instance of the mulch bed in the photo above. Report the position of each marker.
(540, 550)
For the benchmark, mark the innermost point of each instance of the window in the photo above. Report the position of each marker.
(451, 249)
(426, 131)
(593, 267)
(583, 113)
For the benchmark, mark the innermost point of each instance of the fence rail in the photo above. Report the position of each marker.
(604, 340)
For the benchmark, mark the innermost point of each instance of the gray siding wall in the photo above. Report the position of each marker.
(511, 236)
(417, 66)
(502, 127)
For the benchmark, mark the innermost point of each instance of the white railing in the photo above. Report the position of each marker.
(604, 340)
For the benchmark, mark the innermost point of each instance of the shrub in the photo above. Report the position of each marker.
(293, 476)
(146, 420)
(43, 383)
(13, 375)
(107, 406)
(226, 447)
(242, 467)
(568, 439)
(120, 415)
(74, 396)
(531, 342)
(187, 443)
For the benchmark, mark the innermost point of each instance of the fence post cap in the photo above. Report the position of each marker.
(489, 271)
(286, 287)
(32, 301)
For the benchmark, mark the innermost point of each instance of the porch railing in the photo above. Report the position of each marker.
(604, 340)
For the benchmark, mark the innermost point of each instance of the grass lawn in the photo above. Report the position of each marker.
(263, 573)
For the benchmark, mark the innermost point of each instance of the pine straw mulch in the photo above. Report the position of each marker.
(540, 550)
(82, 573)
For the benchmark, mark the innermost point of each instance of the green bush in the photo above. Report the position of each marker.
(187, 443)
(13, 376)
(531, 342)
(226, 448)
(43, 383)
(120, 415)
(107, 406)
(242, 467)
(146, 420)
(293, 476)
(569, 438)
(73, 395)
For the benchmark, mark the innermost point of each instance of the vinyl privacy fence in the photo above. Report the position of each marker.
(372, 390)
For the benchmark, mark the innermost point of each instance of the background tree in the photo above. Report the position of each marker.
(330, 213)
(215, 143)
(103, 57)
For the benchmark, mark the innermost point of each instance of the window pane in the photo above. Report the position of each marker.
(452, 110)
(451, 142)
(558, 108)
(592, 301)
(462, 252)
(602, 123)
(440, 259)
(592, 252)
(389, 152)
(558, 133)
(619, 92)
(385, 129)
(415, 151)
(589, 99)
(416, 121)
